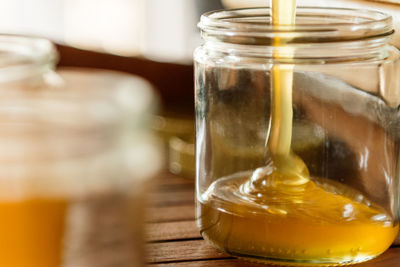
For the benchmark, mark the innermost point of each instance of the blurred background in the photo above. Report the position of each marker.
(162, 30)
(157, 30)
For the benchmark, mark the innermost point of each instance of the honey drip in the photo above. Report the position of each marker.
(278, 213)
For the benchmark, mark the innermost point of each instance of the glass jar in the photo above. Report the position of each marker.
(345, 133)
(75, 159)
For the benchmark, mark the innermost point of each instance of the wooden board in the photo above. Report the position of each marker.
(172, 230)
(171, 213)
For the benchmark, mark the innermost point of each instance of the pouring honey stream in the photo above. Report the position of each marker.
(278, 213)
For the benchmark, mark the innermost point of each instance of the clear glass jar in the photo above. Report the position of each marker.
(345, 104)
(75, 159)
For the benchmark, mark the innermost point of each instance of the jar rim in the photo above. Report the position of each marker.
(22, 56)
(313, 25)
(39, 49)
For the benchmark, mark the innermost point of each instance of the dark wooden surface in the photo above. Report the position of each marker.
(175, 241)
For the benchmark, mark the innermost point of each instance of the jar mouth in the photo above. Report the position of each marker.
(313, 25)
(22, 56)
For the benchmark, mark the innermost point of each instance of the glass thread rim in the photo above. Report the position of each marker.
(360, 24)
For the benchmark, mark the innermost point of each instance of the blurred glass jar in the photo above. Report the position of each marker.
(75, 159)
(345, 127)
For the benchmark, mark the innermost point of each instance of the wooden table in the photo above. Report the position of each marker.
(175, 241)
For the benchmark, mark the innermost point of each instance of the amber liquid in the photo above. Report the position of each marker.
(279, 213)
(326, 223)
(31, 232)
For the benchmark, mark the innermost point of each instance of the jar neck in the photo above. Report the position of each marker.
(320, 34)
(324, 53)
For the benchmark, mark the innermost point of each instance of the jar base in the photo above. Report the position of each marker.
(294, 233)
(288, 262)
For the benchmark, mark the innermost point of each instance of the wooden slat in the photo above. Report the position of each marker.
(172, 179)
(175, 187)
(172, 231)
(390, 258)
(211, 263)
(182, 251)
(157, 199)
(171, 214)
(171, 182)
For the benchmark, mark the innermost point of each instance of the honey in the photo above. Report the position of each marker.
(326, 223)
(278, 213)
(31, 232)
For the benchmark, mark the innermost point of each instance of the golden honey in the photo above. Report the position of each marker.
(31, 232)
(326, 223)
